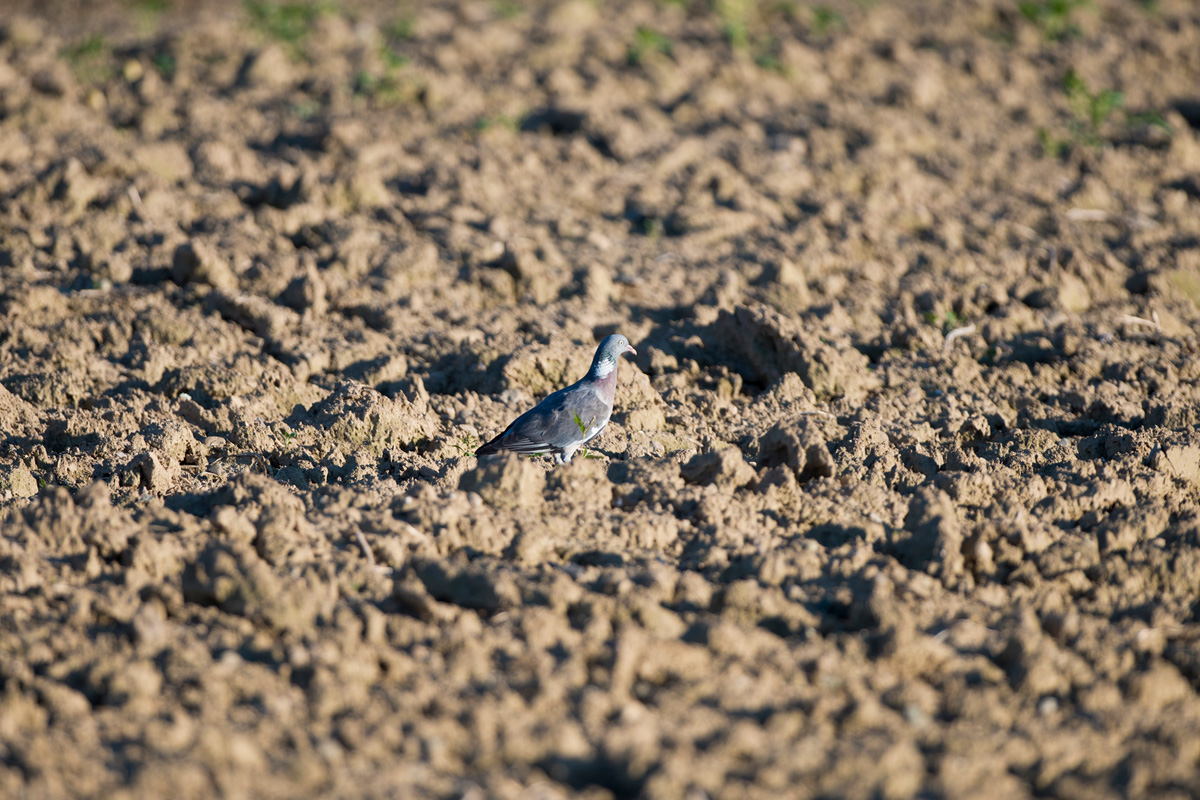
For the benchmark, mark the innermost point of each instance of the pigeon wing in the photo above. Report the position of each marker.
(555, 423)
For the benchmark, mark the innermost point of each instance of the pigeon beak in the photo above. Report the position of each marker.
(629, 349)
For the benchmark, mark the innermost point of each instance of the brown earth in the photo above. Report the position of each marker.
(900, 497)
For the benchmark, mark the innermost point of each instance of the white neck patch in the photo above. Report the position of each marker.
(605, 366)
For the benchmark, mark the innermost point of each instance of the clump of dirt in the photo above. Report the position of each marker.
(507, 482)
(725, 467)
(900, 495)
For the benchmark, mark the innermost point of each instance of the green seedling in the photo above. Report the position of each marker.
(288, 22)
(398, 31)
(1151, 118)
(1052, 147)
(89, 59)
(401, 29)
(466, 445)
(306, 109)
(1091, 113)
(583, 430)
(146, 14)
(393, 59)
(507, 9)
(165, 64)
(1091, 109)
(388, 89)
(826, 20)
(499, 121)
(769, 61)
(948, 321)
(646, 41)
(750, 26)
(736, 17)
(1052, 17)
(737, 34)
(766, 54)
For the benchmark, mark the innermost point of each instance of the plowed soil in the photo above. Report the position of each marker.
(901, 496)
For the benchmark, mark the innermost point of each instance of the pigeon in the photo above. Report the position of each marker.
(570, 417)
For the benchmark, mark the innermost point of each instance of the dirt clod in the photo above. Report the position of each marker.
(724, 467)
(799, 446)
(506, 481)
(196, 261)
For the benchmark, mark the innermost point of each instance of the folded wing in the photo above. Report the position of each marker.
(565, 419)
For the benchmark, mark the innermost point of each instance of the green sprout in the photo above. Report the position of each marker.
(1091, 112)
(146, 14)
(393, 59)
(948, 321)
(750, 26)
(646, 41)
(507, 9)
(583, 429)
(505, 121)
(735, 21)
(165, 64)
(466, 445)
(89, 59)
(652, 227)
(287, 22)
(1052, 17)
(402, 28)
(306, 109)
(1091, 109)
(391, 88)
(766, 54)
(826, 20)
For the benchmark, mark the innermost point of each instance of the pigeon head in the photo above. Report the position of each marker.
(611, 349)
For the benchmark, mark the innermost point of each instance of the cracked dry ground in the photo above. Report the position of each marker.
(900, 497)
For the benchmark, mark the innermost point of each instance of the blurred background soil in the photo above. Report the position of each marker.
(900, 497)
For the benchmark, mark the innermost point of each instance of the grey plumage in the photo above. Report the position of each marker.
(568, 418)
